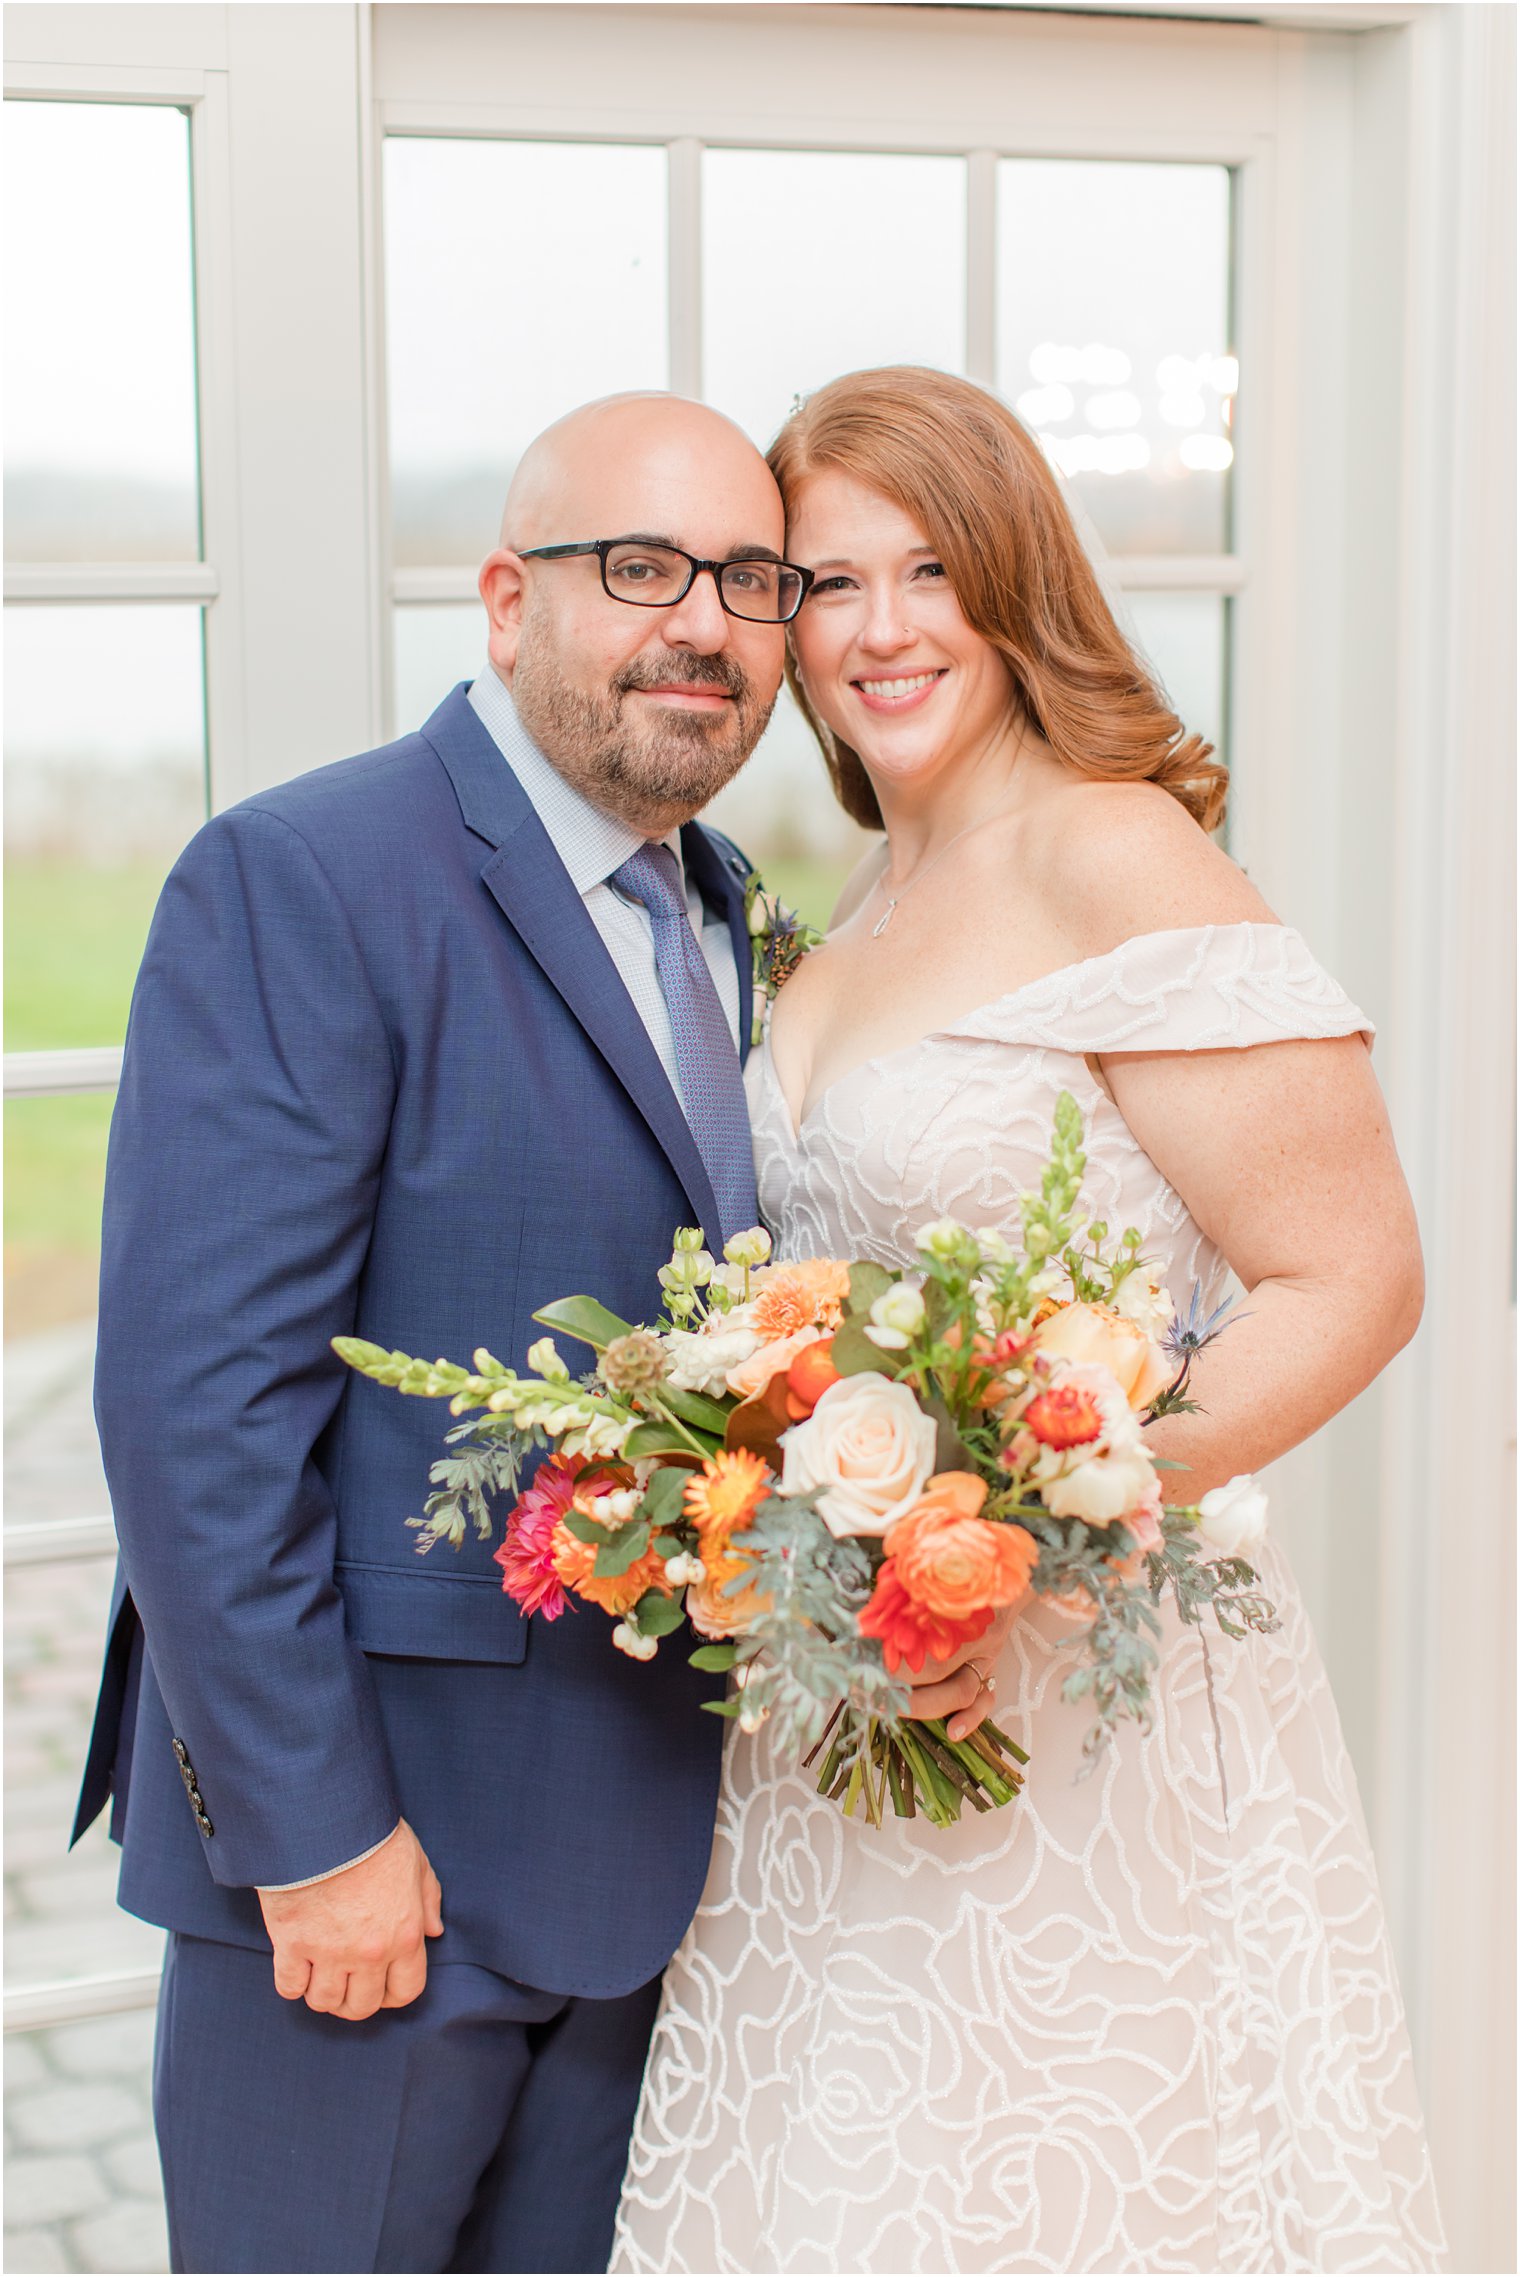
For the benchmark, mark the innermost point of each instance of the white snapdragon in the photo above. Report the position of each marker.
(947, 1239)
(1233, 1518)
(544, 1360)
(750, 1248)
(896, 1317)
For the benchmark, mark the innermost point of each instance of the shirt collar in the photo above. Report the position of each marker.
(590, 842)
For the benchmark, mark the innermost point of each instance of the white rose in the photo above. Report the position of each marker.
(1233, 1518)
(1146, 1302)
(1100, 1490)
(869, 1445)
(700, 1363)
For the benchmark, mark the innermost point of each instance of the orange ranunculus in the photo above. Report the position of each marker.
(954, 1562)
(573, 1560)
(807, 1295)
(712, 1609)
(910, 1631)
(1064, 1415)
(751, 1376)
(723, 1495)
(1099, 1336)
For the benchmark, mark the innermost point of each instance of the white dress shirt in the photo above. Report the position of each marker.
(592, 844)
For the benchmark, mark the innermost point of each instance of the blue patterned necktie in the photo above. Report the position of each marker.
(712, 1086)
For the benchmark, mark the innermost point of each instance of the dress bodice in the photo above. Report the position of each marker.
(958, 1122)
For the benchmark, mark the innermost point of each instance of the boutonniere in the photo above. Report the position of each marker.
(778, 942)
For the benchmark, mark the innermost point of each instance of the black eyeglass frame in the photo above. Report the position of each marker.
(601, 547)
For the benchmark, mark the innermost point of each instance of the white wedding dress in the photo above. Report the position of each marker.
(1143, 2021)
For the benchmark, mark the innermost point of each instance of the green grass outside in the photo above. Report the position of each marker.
(73, 941)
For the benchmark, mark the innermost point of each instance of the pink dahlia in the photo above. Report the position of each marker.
(526, 1557)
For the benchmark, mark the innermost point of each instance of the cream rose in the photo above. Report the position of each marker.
(1105, 1487)
(1101, 1336)
(1233, 1518)
(1147, 1302)
(869, 1445)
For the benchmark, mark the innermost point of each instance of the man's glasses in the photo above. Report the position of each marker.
(656, 577)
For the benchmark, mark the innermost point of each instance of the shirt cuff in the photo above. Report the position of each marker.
(312, 1880)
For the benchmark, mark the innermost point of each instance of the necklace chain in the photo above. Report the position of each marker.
(892, 899)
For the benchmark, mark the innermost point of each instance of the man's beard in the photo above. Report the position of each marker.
(671, 763)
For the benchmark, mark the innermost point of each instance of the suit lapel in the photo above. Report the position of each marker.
(529, 883)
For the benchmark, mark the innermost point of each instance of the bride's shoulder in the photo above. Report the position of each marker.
(858, 884)
(1121, 859)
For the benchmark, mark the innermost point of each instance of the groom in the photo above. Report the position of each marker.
(420, 1042)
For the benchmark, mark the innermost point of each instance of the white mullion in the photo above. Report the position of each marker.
(981, 266)
(684, 285)
(377, 424)
(80, 2000)
(30, 1075)
(85, 581)
(216, 408)
(58, 1541)
(1180, 573)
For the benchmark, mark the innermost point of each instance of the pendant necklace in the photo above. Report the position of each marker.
(892, 899)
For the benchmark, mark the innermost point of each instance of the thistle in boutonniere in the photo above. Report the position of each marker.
(778, 941)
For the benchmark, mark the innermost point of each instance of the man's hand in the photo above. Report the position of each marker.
(956, 1688)
(357, 1942)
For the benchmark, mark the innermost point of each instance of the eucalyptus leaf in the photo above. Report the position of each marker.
(853, 1353)
(868, 1281)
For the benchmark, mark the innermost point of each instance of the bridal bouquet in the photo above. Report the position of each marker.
(837, 1470)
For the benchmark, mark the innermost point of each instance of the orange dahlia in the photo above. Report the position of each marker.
(723, 1496)
(808, 1295)
(715, 1610)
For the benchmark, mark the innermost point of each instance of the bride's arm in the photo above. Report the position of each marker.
(1283, 1155)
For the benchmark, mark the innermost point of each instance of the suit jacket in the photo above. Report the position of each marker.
(381, 1078)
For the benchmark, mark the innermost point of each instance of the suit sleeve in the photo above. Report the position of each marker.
(241, 1185)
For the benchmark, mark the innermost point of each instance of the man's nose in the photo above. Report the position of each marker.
(698, 620)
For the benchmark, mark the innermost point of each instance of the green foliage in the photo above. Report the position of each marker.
(465, 1484)
(715, 1658)
(585, 1320)
(656, 1615)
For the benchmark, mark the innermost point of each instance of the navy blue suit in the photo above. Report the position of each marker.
(382, 1079)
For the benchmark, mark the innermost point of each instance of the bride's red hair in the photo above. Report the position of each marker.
(958, 462)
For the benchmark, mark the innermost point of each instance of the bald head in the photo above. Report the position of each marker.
(635, 448)
(648, 710)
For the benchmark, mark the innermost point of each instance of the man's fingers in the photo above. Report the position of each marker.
(292, 1974)
(366, 1991)
(327, 1989)
(405, 1978)
(432, 1904)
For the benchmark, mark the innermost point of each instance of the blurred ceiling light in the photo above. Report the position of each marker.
(1206, 454)
(1118, 409)
(1182, 408)
(1104, 367)
(1050, 363)
(1177, 375)
(1097, 454)
(1221, 372)
(1043, 406)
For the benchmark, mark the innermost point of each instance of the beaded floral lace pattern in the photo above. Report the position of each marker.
(1143, 2021)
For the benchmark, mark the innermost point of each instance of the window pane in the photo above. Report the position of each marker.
(1113, 339)
(1183, 634)
(100, 435)
(821, 262)
(105, 779)
(521, 278)
(433, 648)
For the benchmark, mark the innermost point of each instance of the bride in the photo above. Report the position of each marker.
(1147, 2020)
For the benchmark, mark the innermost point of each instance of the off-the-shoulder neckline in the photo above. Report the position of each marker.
(963, 1020)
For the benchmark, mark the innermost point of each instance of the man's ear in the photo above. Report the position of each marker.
(501, 589)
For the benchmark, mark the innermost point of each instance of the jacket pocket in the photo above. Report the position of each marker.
(430, 1616)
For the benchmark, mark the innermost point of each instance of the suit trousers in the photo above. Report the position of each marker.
(484, 2127)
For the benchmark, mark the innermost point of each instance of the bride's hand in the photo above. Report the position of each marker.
(958, 1688)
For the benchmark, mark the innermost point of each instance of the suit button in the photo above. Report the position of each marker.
(181, 1753)
(188, 1777)
(204, 1824)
